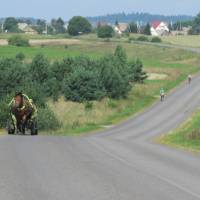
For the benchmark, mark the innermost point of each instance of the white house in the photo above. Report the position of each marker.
(121, 28)
(159, 28)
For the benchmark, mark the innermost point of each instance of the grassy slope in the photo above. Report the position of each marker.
(187, 136)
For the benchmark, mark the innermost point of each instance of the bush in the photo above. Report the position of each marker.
(4, 114)
(47, 119)
(18, 41)
(143, 38)
(156, 40)
(88, 105)
(132, 38)
(20, 56)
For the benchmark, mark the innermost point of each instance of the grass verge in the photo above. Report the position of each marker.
(186, 136)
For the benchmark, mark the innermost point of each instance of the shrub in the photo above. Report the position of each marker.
(20, 56)
(47, 119)
(4, 114)
(156, 40)
(132, 38)
(88, 105)
(18, 41)
(143, 38)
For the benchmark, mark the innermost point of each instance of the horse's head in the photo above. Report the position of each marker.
(18, 101)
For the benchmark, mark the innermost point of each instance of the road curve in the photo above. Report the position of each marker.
(121, 163)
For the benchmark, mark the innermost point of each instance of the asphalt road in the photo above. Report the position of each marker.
(122, 163)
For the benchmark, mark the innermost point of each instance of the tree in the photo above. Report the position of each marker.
(115, 83)
(120, 54)
(40, 26)
(58, 25)
(196, 26)
(13, 76)
(79, 25)
(116, 23)
(105, 31)
(11, 25)
(136, 72)
(39, 69)
(83, 85)
(147, 30)
(133, 27)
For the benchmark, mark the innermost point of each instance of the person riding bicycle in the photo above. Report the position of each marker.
(189, 78)
(22, 110)
(162, 94)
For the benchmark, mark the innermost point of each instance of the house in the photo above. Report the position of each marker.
(159, 28)
(183, 31)
(24, 27)
(121, 28)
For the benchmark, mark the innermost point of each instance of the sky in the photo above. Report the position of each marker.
(48, 9)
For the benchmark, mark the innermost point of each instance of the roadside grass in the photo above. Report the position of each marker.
(2, 132)
(186, 136)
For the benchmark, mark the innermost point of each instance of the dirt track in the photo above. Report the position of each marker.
(38, 42)
(53, 42)
(3, 42)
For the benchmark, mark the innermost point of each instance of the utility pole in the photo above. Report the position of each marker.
(2, 26)
(46, 28)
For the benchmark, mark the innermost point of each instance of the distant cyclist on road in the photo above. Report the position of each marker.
(162, 94)
(189, 78)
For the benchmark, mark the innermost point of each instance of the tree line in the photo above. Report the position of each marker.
(80, 25)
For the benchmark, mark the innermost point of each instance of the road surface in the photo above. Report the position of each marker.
(121, 163)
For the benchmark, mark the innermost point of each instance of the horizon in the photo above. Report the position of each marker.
(60, 8)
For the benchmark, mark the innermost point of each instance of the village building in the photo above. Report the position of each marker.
(159, 28)
(121, 28)
(25, 28)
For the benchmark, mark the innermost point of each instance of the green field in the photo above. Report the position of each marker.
(175, 64)
(187, 136)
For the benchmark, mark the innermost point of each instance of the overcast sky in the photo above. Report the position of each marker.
(67, 8)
